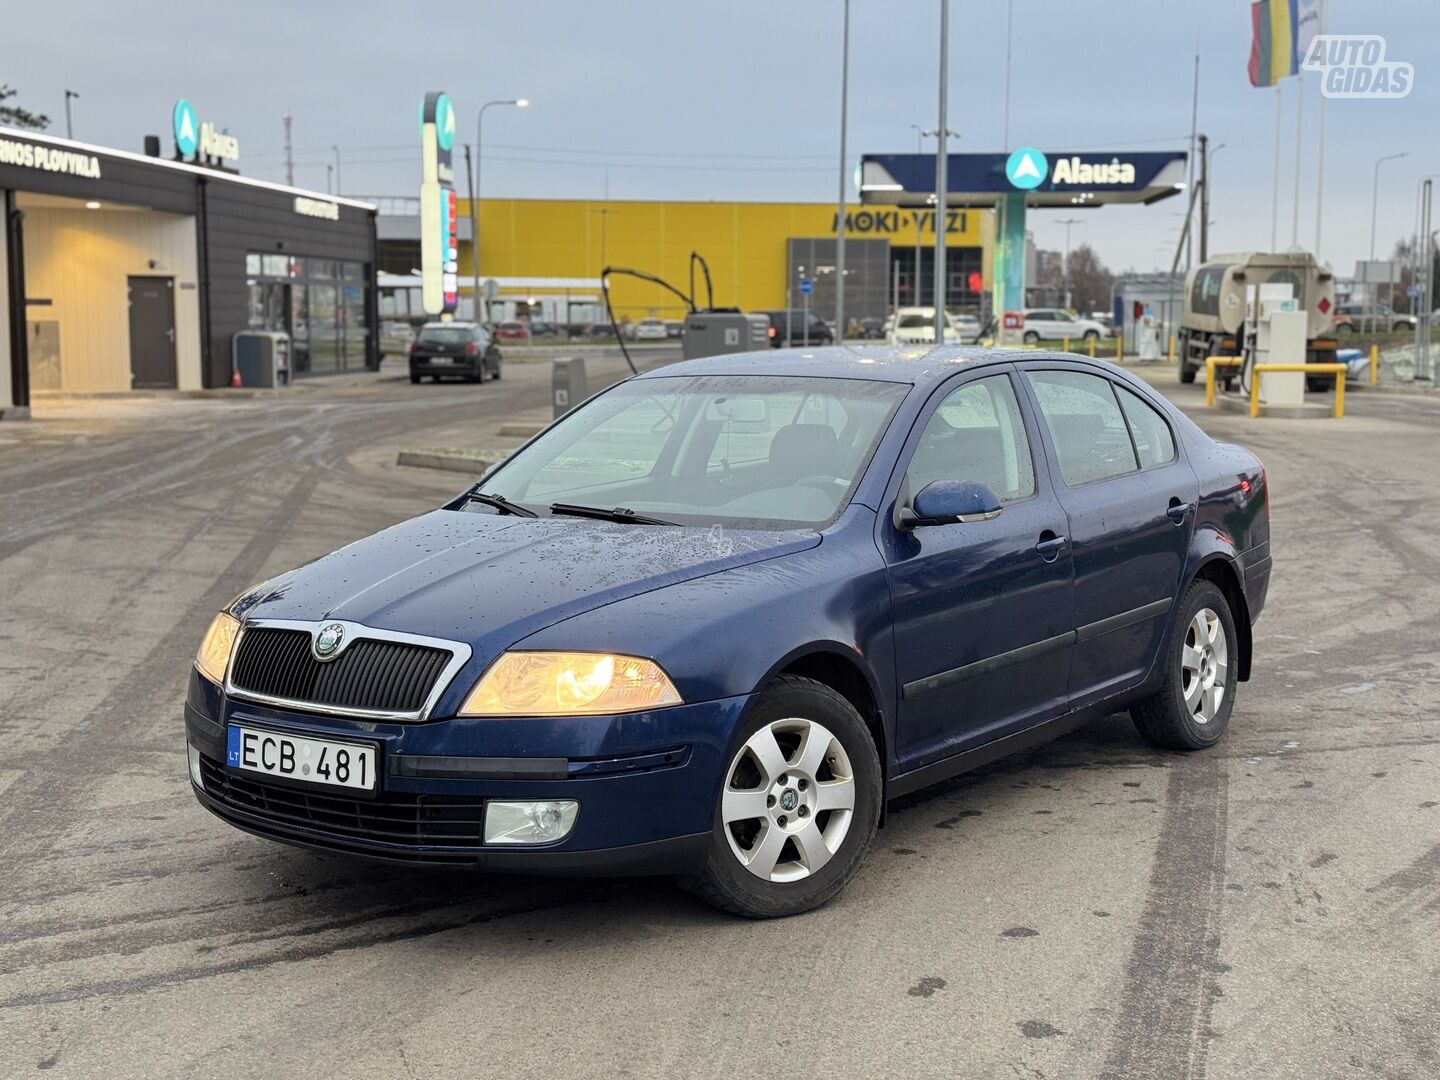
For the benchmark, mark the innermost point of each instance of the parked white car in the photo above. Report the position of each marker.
(650, 330)
(1053, 324)
(916, 326)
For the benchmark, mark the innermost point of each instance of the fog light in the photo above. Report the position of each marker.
(529, 822)
(195, 777)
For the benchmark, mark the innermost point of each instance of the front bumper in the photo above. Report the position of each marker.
(647, 785)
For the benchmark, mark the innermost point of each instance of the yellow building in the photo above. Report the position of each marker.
(754, 250)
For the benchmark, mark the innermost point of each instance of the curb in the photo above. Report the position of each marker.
(462, 461)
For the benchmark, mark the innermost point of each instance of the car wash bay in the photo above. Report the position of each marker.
(122, 272)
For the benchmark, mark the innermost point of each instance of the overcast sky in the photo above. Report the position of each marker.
(741, 100)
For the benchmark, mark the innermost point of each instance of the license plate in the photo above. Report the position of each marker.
(442, 360)
(313, 761)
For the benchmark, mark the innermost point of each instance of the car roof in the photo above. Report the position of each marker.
(917, 364)
(454, 324)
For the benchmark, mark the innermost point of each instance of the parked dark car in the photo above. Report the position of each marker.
(454, 350)
(797, 327)
(1371, 319)
(707, 623)
(543, 330)
(872, 329)
(674, 328)
(601, 330)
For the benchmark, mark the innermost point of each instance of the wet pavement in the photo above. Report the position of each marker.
(1091, 908)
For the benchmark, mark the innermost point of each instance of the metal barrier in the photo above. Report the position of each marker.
(1213, 362)
(1338, 370)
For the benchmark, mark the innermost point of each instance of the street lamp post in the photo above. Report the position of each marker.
(1065, 263)
(942, 173)
(336, 151)
(69, 127)
(1375, 195)
(840, 202)
(519, 103)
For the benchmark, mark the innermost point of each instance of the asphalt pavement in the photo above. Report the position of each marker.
(1093, 908)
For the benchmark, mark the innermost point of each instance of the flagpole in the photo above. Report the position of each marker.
(1299, 133)
(1275, 193)
(1320, 159)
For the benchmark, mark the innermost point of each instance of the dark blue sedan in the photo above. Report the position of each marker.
(709, 622)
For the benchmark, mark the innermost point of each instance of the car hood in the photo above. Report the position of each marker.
(490, 580)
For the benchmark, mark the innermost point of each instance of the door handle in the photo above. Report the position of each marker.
(1050, 545)
(1177, 510)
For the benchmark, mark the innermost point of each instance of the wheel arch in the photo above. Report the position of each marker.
(1221, 572)
(844, 671)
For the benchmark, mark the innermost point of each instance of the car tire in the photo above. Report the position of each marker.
(1031, 338)
(1091, 335)
(496, 374)
(819, 751)
(1187, 374)
(1202, 657)
(414, 380)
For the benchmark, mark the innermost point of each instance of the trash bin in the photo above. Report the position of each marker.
(567, 383)
(261, 358)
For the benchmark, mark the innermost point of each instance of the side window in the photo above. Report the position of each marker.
(1153, 440)
(977, 433)
(1090, 436)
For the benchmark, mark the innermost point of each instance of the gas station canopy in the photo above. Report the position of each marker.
(1053, 178)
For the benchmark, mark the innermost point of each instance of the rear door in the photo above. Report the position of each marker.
(982, 609)
(1129, 497)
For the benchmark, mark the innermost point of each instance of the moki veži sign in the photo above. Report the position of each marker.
(439, 245)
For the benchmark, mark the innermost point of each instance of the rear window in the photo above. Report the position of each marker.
(444, 335)
(910, 321)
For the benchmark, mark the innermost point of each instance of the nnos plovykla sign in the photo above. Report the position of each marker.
(439, 244)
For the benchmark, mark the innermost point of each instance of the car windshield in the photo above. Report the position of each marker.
(753, 451)
(444, 335)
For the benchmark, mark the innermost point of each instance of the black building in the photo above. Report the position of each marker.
(121, 271)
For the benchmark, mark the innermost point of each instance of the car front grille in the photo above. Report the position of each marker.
(372, 674)
(409, 825)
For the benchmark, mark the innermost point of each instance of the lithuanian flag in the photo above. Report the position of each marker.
(1272, 48)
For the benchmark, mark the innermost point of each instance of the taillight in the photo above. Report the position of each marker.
(771, 331)
(471, 349)
(414, 347)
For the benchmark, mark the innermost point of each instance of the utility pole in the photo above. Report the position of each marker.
(1065, 264)
(1190, 165)
(840, 205)
(474, 240)
(1204, 199)
(336, 151)
(289, 152)
(915, 293)
(69, 127)
(942, 174)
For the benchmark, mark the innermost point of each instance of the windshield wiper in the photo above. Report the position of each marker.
(619, 513)
(500, 503)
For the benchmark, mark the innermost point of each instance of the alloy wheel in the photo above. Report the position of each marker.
(789, 800)
(1204, 666)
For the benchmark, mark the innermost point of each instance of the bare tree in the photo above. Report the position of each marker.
(1090, 282)
(15, 116)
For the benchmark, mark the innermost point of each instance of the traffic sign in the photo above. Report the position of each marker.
(806, 286)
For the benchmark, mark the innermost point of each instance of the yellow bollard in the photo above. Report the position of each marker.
(1119, 348)
(1254, 393)
(1374, 364)
(1065, 344)
(1339, 397)
(1172, 348)
(1092, 348)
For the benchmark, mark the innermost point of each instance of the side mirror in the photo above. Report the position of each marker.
(944, 502)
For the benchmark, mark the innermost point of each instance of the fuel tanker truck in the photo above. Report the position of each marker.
(1213, 321)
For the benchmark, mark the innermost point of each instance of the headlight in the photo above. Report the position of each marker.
(214, 655)
(569, 684)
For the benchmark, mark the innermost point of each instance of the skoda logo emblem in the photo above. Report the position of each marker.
(328, 641)
(788, 800)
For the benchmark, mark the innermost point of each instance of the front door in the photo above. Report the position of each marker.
(982, 609)
(152, 333)
(1130, 500)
